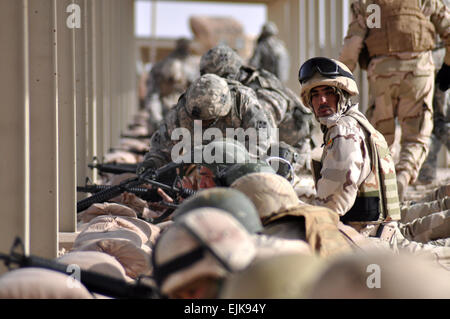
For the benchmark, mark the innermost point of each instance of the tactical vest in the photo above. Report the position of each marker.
(322, 232)
(404, 28)
(382, 181)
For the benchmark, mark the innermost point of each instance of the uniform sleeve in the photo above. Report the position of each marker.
(440, 18)
(354, 40)
(161, 144)
(342, 164)
(254, 117)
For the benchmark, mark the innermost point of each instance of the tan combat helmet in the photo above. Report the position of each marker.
(269, 192)
(288, 276)
(222, 61)
(208, 98)
(207, 242)
(323, 71)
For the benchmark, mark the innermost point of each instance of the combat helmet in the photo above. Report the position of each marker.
(234, 172)
(208, 98)
(230, 200)
(222, 61)
(208, 242)
(269, 28)
(270, 193)
(324, 71)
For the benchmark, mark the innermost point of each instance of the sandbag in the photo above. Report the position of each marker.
(39, 283)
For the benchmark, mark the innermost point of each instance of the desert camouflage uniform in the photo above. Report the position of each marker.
(270, 53)
(441, 128)
(168, 79)
(400, 72)
(245, 113)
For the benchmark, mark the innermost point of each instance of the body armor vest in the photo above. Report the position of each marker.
(381, 184)
(322, 232)
(404, 28)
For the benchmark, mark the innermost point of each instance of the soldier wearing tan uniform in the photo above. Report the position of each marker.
(357, 177)
(400, 71)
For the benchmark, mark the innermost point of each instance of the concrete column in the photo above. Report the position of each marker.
(89, 82)
(14, 126)
(106, 74)
(80, 100)
(67, 118)
(99, 74)
(114, 25)
(44, 205)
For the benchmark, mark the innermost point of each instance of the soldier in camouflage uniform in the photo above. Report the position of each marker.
(210, 102)
(284, 107)
(270, 53)
(441, 126)
(401, 71)
(167, 80)
(357, 176)
(198, 251)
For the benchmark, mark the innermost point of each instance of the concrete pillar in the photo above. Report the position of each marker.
(66, 118)
(14, 126)
(44, 205)
(98, 72)
(80, 100)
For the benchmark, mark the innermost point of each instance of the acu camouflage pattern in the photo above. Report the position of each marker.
(208, 98)
(401, 83)
(274, 97)
(271, 54)
(245, 112)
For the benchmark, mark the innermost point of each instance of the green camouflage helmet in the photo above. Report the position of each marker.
(218, 155)
(221, 60)
(230, 200)
(232, 173)
(208, 98)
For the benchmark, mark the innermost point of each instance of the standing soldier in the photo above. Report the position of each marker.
(270, 53)
(168, 79)
(401, 71)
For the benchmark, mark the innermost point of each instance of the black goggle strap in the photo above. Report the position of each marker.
(323, 66)
(184, 261)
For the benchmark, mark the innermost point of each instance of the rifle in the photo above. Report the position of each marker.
(130, 150)
(155, 178)
(93, 281)
(147, 194)
(135, 136)
(114, 168)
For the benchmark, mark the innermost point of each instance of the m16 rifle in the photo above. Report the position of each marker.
(157, 178)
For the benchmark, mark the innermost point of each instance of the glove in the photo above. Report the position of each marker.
(144, 167)
(443, 77)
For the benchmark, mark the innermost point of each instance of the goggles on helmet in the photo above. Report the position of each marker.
(324, 66)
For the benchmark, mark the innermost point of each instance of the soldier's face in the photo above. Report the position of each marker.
(324, 101)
